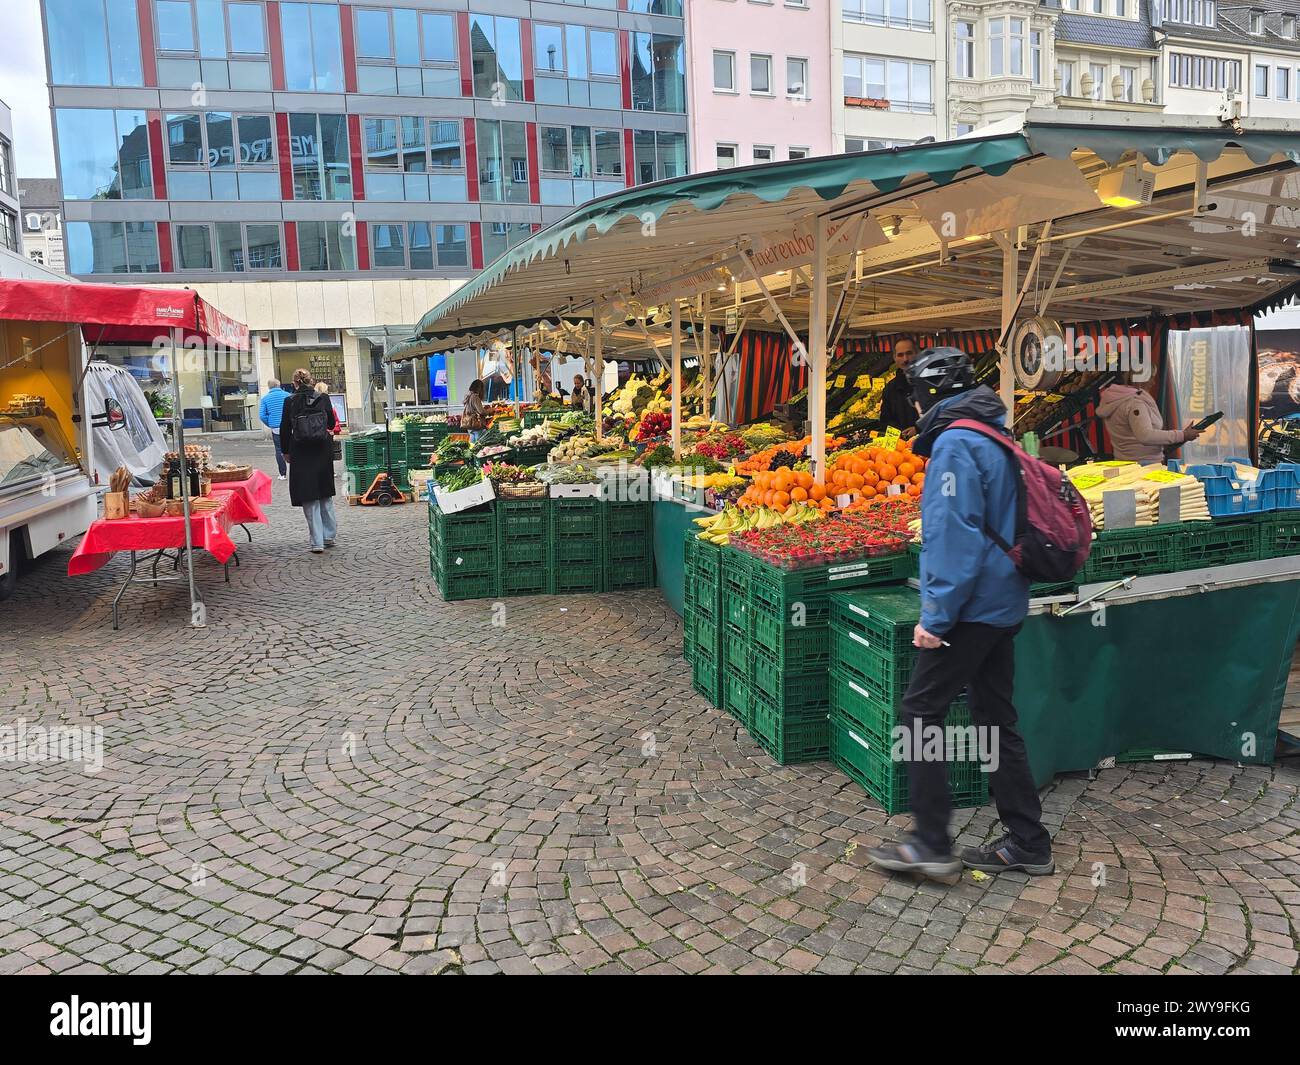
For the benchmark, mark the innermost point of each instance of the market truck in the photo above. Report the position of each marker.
(47, 488)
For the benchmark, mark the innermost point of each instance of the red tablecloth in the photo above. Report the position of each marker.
(209, 531)
(257, 489)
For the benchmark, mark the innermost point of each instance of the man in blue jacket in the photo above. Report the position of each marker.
(270, 410)
(973, 601)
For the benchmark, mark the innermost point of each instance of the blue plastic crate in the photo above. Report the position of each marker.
(1229, 495)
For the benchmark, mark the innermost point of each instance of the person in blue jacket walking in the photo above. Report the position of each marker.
(270, 410)
(973, 601)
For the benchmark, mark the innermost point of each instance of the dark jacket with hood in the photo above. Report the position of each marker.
(896, 407)
(970, 481)
(311, 462)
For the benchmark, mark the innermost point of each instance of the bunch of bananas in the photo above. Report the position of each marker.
(718, 528)
(713, 480)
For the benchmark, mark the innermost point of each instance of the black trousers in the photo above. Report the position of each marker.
(279, 453)
(981, 659)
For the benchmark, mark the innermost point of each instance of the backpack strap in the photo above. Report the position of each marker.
(1010, 450)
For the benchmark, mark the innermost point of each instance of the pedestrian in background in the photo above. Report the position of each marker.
(271, 410)
(305, 435)
(474, 415)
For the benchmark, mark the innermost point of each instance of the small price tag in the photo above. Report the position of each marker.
(894, 490)
(841, 381)
(863, 381)
(1088, 480)
(890, 439)
(1114, 462)
(1164, 476)
(843, 500)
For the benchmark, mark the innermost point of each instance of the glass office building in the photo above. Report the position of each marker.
(268, 140)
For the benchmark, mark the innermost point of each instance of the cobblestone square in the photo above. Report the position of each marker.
(342, 773)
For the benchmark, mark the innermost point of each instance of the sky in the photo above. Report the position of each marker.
(22, 87)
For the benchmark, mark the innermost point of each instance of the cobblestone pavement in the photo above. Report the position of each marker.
(498, 815)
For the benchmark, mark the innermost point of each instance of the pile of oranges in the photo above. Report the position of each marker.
(760, 461)
(781, 487)
(868, 472)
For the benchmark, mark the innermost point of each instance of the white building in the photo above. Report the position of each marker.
(9, 231)
(42, 221)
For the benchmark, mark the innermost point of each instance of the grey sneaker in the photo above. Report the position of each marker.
(1005, 855)
(913, 856)
(318, 550)
(330, 543)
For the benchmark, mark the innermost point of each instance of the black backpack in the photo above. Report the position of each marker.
(311, 426)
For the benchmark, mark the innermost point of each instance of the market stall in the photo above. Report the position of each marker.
(1164, 233)
(179, 327)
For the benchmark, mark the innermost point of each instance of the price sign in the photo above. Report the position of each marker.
(1164, 476)
(1088, 480)
(841, 381)
(1113, 462)
(863, 381)
(890, 439)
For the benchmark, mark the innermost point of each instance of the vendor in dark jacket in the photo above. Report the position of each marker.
(896, 408)
(311, 459)
(973, 601)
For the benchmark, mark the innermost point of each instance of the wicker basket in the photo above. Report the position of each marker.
(239, 473)
(521, 490)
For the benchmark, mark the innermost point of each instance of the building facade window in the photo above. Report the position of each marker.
(1065, 74)
(416, 245)
(797, 153)
(497, 57)
(326, 246)
(1036, 56)
(963, 49)
(93, 42)
(1261, 81)
(228, 247)
(1097, 71)
(111, 247)
(1128, 84)
(403, 52)
(1283, 83)
(764, 153)
(902, 14)
(997, 46)
(221, 156)
(1202, 72)
(724, 71)
(658, 155)
(651, 7)
(6, 166)
(906, 85)
(313, 47)
(796, 78)
(1190, 12)
(580, 152)
(8, 229)
(502, 161)
(579, 52)
(760, 75)
(211, 29)
(500, 237)
(726, 156)
(319, 157)
(104, 155)
(658, 73)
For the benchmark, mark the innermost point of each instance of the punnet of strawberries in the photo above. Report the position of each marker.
(822, 543)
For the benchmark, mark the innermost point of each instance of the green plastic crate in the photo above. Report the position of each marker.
(708, 636)
(361, 451)
(1152, 754)
(914, 560)
(626, 547)
(706, 677)
(579, 580)
(536, 417)
(526, 518)
(523, 580)
(1217, 543)
(737, 652)
(361, 478)
(737, 568)
(628, 576)
(1279, 534)
(884, 618)
(574, 550)
(527, 456)
(779, 590)
(870, 766)
(790, 692)
(464, 560)
(1138, 552)
(886, 676)
(736, 610)
(519, 552)
(574, 517)
(788, 739)
(797, 647)
(737, 696)
(466, 528)
(625, 516)
(874, 715)
(453, 585)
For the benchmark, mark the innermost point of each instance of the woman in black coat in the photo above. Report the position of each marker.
(311, 461)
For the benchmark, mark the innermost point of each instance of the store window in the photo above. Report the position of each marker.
(417, 245)
(313, 47)
(104, 155)
(326, 246)
(229, 247)
(658, 155)
(497, 57)
(111, 247)
(502, 161)
(318, 149)
(405, 52)
(658, 73)
(93, 42)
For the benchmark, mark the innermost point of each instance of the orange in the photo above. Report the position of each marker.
(828, 503)
(887, 472)
(900, 479)
(817, 492)
(906, 469)
(798, 493)
(804, 478)
(856, 480)
(913, 490)
(918, 478)
(781, 499)
(868, 491)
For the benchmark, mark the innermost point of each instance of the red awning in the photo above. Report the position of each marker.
(120, 314)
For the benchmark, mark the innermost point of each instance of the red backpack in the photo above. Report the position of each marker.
(1053, 526)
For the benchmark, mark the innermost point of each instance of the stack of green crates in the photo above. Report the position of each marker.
(1279, 533)
(626, 544)
(522, 544)
(789, 656)
(419, 441)
(573, 546)
(365, 455)
(737, 653)
(871, 662)
(463, 552)
(702, 614)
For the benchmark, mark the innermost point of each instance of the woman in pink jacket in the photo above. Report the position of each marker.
(1137, 432)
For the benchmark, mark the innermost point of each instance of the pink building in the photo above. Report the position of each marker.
(759, 81)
